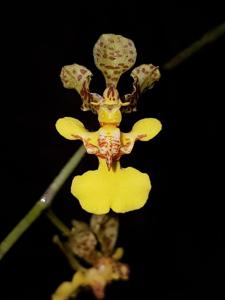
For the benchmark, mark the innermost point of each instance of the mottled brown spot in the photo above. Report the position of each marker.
(131, 60)
(112, 58)
(112, 67)
(116, 72)
(83, 71)
(101, 44)
(79, 77)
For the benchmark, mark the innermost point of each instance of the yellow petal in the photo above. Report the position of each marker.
(132, 189)
(91, 189)
(118, 254)
(114, 55)
(67, 289)
(146, 129)
(120, 189)
(70, 128)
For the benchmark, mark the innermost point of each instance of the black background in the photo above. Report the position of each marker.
(174, 244)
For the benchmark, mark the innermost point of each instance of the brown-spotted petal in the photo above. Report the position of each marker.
(144, 78)
(114, 55)
(78, 77)
(82, 241)
(106, 229)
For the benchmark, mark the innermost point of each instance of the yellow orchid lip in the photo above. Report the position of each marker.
(110, 186)
(121, 189)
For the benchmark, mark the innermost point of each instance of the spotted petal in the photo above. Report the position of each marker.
(78, 77)
(114, 55)
(106, 229)
(144, 78)
(82, 241)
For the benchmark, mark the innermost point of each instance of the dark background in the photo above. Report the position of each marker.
(174, 244)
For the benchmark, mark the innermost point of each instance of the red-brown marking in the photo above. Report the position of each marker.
(112, 67)
(110, 91)
(83, 71)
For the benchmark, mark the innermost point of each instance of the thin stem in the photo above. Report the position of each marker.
(207, 38)
(43, 203)
(74, 263)
(58, 223)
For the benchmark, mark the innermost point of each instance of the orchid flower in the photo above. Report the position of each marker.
(110, 186)
(94, 244)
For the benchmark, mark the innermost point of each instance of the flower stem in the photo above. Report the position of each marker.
(57, 223)
(43, 203)
(74, 263)
(207, 38)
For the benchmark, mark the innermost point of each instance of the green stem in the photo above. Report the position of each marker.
(43, 203)
(207, 38)
(58, 223)
(74, 263)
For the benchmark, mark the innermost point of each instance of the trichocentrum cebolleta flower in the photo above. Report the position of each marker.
(110, 186)
(93, 244)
